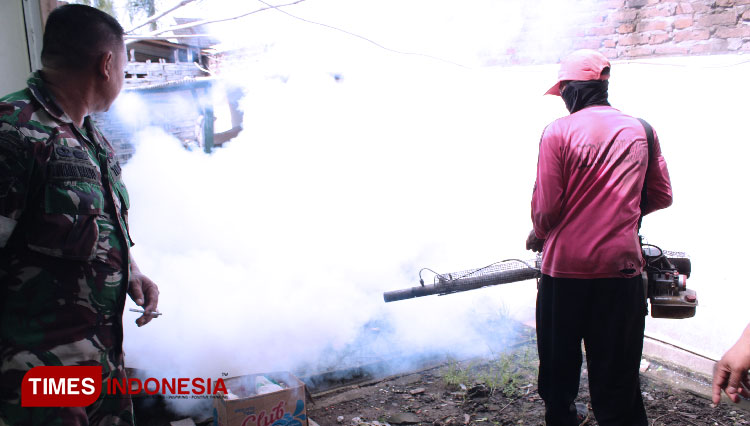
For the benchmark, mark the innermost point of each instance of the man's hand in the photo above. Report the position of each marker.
(144, 293)
(533, 243)
(731, 372)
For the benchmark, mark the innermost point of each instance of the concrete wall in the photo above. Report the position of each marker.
(14, 67)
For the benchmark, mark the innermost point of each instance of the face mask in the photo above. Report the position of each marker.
(581, 94)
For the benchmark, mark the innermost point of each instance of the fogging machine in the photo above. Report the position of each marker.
(664, 281)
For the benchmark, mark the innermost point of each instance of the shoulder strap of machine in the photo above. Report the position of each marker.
(650, 141)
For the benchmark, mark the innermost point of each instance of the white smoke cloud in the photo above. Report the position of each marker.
(279, 247)
(695, 105)
(275, 251)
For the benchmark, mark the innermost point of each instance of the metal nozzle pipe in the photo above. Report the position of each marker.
(448, 286)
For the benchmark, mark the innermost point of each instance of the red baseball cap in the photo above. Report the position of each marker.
(581, 65)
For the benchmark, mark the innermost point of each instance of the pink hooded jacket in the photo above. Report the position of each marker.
(588, 189)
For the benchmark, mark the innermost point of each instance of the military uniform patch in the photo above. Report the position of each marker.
(72, 164)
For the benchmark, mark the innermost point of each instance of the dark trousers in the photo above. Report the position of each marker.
(609, 316)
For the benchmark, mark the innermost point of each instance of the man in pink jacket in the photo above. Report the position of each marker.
(585, 209)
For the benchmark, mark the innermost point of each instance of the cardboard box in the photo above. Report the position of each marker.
(285, 407)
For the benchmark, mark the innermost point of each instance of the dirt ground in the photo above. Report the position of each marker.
(437, 396)
(500, 390)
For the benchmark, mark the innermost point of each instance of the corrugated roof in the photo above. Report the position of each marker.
(202, 42)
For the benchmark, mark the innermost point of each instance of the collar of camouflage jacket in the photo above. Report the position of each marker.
(42, 95)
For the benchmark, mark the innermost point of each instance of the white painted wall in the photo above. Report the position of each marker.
(14, 68)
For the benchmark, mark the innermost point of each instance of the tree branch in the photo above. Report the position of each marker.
(154, 18)
(212, 21)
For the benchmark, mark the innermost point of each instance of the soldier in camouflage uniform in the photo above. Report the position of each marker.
(65, 264)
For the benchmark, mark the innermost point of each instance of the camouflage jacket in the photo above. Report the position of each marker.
(64, 241)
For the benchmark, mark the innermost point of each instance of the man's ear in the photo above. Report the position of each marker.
(605, 74)
(105, 65)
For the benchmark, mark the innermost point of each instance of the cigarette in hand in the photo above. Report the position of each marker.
(141, 311)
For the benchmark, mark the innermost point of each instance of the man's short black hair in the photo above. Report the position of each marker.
(75, 36)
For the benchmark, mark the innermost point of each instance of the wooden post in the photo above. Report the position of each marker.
(208, 121)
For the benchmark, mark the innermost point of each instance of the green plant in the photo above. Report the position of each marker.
(454, 375)
(510, 373)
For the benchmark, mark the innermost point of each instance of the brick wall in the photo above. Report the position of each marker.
(651, 27)
(626, 29)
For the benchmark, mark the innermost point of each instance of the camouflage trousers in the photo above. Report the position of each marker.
(108, 410)
(56, 313)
